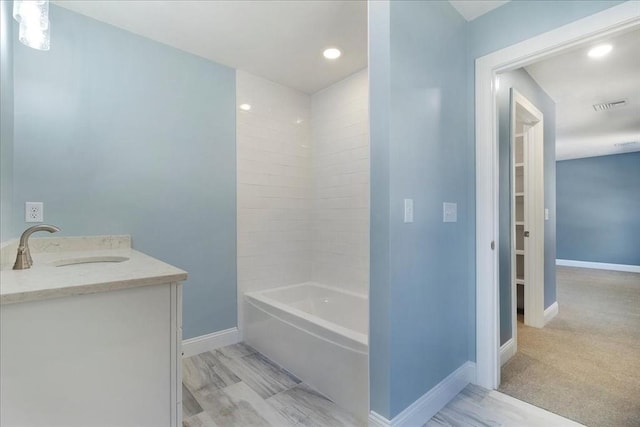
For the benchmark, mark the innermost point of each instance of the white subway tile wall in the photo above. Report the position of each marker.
(274, 184)
(340, 185)
(303, 185)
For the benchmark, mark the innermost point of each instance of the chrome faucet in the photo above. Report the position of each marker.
(23, 259)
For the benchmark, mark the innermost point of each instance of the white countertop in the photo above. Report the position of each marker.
(44, 280)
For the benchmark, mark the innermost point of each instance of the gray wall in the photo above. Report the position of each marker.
(119, 134)
(418, 271)
(6, 120)
(599, 209)
(521, 81)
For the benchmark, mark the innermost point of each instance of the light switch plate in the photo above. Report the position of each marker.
(449, 212)
(546, 214)
(408, 210)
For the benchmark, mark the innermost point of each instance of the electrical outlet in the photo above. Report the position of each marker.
(34, 212)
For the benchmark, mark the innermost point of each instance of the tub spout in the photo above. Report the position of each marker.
(23, 258)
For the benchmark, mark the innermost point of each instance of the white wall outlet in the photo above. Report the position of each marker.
(34, 212)
(449, 212)
(546, 214)
(408, 210)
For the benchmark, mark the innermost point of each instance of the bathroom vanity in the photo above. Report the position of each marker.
(90, 335)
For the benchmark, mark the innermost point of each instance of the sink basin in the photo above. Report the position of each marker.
(89, 260)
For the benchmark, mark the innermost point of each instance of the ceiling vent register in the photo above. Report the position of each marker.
(628, 144)
(610, 105)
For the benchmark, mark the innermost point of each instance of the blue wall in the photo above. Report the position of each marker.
(418, 273)
(521, 81)
(118, 134)
(599, 209)
(6, 120)
(519, 20)
(379, 291)
(431, 326)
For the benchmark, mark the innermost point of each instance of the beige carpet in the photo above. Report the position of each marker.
(585, 363)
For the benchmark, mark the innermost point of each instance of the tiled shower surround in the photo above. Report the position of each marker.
(274, 184)
(340, 185)
(303, 185)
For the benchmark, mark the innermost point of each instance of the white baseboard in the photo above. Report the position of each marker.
(507, 351)
(423, 409)
(550, 312)
(377, 420)
(209, 342)
(598, 265)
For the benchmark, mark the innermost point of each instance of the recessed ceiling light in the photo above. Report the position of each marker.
(245, 107)
(332, 53)
(600, 50)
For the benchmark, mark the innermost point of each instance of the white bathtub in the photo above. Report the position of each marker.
(318, 333)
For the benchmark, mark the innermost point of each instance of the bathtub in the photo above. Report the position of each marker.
(318, 333)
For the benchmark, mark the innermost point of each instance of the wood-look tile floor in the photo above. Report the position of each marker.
(236, 386)
(478, 407)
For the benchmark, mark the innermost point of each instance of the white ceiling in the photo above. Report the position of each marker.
(575, 82)
(279, 40)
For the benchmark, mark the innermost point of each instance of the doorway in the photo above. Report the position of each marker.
(618, 18)
(589, 353)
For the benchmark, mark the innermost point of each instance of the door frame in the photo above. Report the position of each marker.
(617, 18)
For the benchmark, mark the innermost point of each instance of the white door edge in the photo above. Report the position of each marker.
(534, 209)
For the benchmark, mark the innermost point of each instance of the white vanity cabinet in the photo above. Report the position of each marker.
(106, 354)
